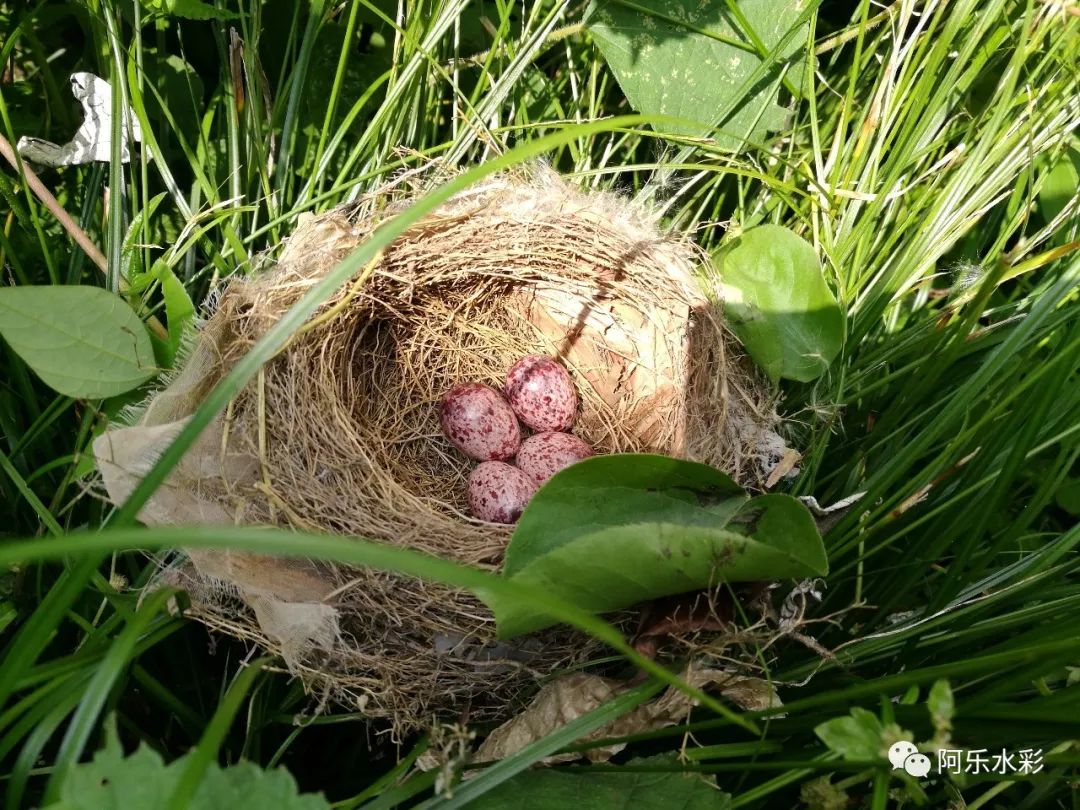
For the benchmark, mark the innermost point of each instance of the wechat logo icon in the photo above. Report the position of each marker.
(904, 755)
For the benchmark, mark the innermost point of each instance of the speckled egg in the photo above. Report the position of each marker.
(479, 423)
(541, 393)
(543, 455)
(499, 492)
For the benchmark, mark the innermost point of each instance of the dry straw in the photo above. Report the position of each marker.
(340, 432)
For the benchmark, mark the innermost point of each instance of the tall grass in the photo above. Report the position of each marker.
(915, 162)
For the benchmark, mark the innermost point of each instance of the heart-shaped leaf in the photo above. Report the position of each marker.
(615, 530)
(697, 60)
(84, 342)
(778, 304)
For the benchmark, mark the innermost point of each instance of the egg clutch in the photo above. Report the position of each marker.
(483, 424)
(340, 434)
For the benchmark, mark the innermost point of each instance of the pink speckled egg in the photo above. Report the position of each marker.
(479, 423)
(543, 455)
(541, 393)
(499, 492)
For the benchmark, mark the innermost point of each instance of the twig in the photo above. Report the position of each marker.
(50, 202)
(72, 227)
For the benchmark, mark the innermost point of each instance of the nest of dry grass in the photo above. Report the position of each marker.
(340, 432)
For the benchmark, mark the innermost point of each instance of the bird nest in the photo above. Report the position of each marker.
(339, 433)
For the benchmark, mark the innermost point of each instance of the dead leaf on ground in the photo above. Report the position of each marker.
(577, 694)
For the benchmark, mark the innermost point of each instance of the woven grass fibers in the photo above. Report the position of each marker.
(340, 433)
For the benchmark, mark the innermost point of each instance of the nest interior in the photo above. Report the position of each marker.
(340, 432)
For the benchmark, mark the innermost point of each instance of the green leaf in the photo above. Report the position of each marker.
(557, 503)
(142, 781)
(1067, 496)
(131, 250)
(188, 9)
(856, 737)
(1060, 185)
(778, 304)
(615, 530)
(180, 87)
(84, 342)
(693, 59)
(552, 789)
(248, 785)
(179, 309)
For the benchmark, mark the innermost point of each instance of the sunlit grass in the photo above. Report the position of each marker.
(914, 165)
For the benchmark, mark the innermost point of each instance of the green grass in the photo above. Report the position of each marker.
(917, 163)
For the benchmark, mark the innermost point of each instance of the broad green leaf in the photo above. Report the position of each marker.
(188, 9)
(359, 75)
(1060, 185)
(694, 59)
(649, 481)
(142, 781)
(552, 789)
(180, 87)
(84, 342)
(778, 304)
(616, 530)
(1067, 496)
(857, 736)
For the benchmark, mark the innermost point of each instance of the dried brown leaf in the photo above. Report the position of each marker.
(574, 695)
